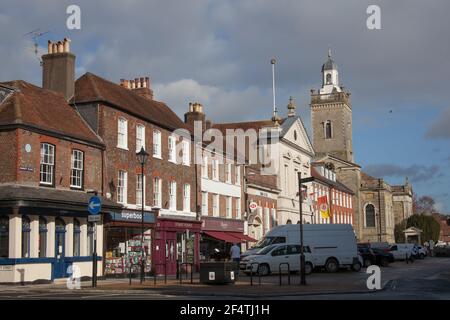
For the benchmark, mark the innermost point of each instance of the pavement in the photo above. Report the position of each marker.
(423, 279)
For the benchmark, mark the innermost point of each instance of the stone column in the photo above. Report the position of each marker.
(83, 237)
(50, 237)
(34, 236)
(69, 236)
(15, 235)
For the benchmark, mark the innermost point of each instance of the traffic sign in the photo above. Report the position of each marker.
(94, 218)
(252, 206)
(94, 205)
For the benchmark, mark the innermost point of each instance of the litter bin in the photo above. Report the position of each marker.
(220, 272)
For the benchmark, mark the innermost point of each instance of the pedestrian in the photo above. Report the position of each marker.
(235, 253)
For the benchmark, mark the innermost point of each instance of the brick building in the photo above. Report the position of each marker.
(339, 197)
(49, 159)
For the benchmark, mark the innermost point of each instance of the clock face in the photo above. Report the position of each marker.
(28, 148)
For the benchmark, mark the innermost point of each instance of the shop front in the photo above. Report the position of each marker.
(218, 235)
(176, 241)
(123, 242)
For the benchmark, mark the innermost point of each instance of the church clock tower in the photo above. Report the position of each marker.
(331, 116)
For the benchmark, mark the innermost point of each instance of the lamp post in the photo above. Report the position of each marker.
(142, 158)
(302, 252)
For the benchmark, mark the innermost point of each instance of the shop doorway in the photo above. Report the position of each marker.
(59, 267)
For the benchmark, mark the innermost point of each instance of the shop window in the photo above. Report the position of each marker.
(76, 172)
(26, 230)
(47, 164)
(42, 237)
(4, 237)
(76, 238)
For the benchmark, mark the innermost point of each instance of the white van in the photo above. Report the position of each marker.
(402, 251)
(332, 245)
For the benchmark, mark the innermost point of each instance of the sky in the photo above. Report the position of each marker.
(218, 53)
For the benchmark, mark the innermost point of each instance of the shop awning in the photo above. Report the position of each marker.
(242, 237)
(230, 237)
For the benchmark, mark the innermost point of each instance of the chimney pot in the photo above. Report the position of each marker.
(147, 81)
(54, 47)
(60, 47)
(132, 84)
(127, 84)
(137, 84)
(122, 82)
(66, 44)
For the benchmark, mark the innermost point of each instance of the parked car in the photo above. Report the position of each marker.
(402, 251)
(332, 245)
(375, 256)
(383, 257)
(423, 252)
(267, 260)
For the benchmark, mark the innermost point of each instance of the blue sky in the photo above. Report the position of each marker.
(218, 53)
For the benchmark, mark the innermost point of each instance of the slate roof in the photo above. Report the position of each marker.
(92, 88)
(43, 109)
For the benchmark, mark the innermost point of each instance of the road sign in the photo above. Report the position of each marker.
(94, 205)
(252, 206)
(94, 218)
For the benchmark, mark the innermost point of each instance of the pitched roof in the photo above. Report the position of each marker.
(92, 88)
(365, 176)
(27, 104)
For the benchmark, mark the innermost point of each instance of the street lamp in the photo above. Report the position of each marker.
(142, 158)
(302, 252)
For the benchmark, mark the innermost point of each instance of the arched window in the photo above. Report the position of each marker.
(42, 237)
(289, 222)
(328, 130)
(4, 237)
(328, 78)
(370, 216)
(90, 243)
(76, 237)
(26, 229)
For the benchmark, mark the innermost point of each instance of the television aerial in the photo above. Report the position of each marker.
(35, 35)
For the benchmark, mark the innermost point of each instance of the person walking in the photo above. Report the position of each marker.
(235, 253)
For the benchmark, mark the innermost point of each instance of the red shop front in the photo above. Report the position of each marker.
(176, 241)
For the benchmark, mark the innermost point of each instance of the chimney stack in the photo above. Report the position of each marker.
(141, 86)
(58, 72)
(195, 113)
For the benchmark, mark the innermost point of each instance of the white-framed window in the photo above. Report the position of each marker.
(122, 133)
(229, 206)
(186, 198)
(238, 208)
(204, 203)
(228, 172)
(172, 149)
(139, 187)
(205, 167)
(140, 137)
(266, 219)
(157, 192)
(157, 144)
(286, 176)
(122, 187)
(186, 153)
(273, 213)
(47, 167)
(237, 175)
(76, 169)
(215, 205)
(173, 195)
(215, 169)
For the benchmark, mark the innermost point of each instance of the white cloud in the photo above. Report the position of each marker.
(219, 104)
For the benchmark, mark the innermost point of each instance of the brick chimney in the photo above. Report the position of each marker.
(58, 72)
(141, 86)
(195, 113)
